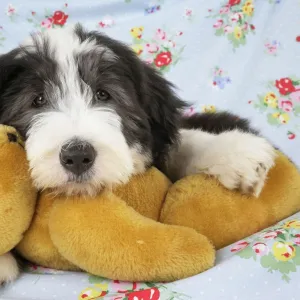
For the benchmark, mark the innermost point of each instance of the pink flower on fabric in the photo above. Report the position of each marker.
(272, 234)
(152, 48)
(295, 96)
(272, 50)
(224, 9)
(149, 61)
(297, 239)
(160, 34)
(285, 105)
(218, 24)
(239, 246)
(47, 23)
(188, 12)
(228, 29)
(260, 249)
(10, 11)
(169, 44)
(189, 112)
(106, 22)
(236, 17)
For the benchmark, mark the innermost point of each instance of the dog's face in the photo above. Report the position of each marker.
(91, 112)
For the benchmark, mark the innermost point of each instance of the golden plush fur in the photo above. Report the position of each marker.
(105, 236)
(146, 230)
(17, 196)
(225, 216)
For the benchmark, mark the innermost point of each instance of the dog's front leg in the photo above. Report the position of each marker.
(240, 160)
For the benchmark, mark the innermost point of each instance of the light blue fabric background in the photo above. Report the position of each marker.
(269, 50)
(249, 67)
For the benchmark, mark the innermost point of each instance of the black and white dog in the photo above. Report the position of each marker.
(93, 115)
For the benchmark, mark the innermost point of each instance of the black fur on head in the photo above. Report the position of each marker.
(152, 119)
(162, 107)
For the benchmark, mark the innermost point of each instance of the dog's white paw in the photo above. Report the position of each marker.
(9, 269)
(240, 161)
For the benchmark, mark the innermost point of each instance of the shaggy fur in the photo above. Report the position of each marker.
(67, 86)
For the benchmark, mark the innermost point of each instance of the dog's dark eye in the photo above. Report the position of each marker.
(102, 95)
(39, 101)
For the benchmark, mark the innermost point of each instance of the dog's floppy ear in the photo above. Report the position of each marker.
(8, 69)
(164, 109)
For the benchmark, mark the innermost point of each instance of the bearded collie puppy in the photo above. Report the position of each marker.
(93, 114)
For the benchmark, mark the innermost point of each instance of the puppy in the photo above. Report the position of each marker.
(92, 115)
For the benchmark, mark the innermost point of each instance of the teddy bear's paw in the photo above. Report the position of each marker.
(240, 161)
(9, 269)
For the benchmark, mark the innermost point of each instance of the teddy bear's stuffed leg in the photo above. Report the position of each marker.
(224, 216)
(106, 237)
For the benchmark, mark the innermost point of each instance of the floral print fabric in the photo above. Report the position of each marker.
(277, 248)
(237, 55)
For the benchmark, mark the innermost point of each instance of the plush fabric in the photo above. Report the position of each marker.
(224, 216)
(116, 234)
(17, 196)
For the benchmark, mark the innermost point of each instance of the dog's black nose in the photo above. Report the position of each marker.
(77, 157)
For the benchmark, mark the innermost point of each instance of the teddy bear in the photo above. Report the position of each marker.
(149, 229)
(17, 196)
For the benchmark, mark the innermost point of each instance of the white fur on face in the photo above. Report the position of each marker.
(74, 117)
(99, 127)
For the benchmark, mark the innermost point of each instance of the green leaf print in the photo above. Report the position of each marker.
(150, 284)
(180, 50)
(219, 32)
(286, 278)
(297, 111)
(236, 43)
(246, 253)
(261, 99)
(296, 259)
(296, 82)
(165, 69)
(136, 41)
(268, 261)
(281, 236)
(96, 279)
(243, 41)
(286, 267)
(271, 120)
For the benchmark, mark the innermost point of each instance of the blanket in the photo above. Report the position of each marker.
(237, 55)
